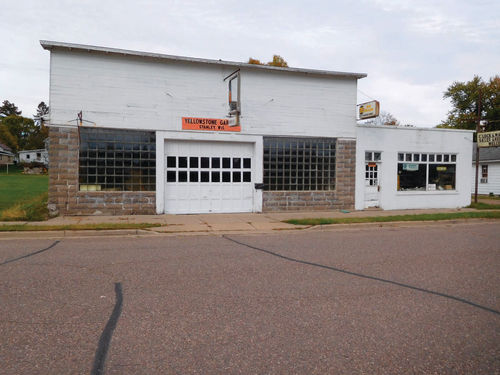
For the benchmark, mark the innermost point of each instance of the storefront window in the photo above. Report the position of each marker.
(411, 176)
(420, 172)
(442, 176)
(117, 160)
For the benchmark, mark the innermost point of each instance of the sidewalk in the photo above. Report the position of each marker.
(213, 223)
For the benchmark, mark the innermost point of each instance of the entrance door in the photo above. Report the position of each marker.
(205, 177)
(371, 185)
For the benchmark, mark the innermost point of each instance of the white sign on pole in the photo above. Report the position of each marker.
(488, 139)
(368, 110)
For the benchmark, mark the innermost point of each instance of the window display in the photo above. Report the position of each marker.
(420, 172)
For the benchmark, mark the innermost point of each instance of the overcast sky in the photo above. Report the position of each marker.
(411, 50)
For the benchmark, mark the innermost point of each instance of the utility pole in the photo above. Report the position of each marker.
(477, 144)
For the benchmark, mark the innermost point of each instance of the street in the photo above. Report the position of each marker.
(417, 299)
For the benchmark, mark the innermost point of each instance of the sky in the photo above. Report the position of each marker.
(411, 50)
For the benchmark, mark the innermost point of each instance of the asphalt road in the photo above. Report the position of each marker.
(411, 300)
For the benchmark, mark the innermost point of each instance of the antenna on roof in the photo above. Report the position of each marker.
(79, 119)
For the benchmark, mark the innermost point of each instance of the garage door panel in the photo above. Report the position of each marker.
(204, 177)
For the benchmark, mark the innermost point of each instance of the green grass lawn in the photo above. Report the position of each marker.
(381, 219)
(16, 188)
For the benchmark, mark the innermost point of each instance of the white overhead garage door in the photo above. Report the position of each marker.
(202, 177)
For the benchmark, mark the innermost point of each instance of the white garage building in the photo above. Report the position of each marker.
(142, 133)
(153, 135)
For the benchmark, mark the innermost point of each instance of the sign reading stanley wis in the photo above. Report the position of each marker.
(368, 110)
(209, 124)
(488, 139)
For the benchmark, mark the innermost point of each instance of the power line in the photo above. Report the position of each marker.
(368, 96)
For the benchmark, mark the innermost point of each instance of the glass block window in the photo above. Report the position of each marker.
(117, 160)
(299, 164)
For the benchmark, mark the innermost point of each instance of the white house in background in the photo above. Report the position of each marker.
(6, 155)
(34, 156)
(409, 168)
(489, 170)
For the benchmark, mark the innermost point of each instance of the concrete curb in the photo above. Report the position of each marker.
(150, 232)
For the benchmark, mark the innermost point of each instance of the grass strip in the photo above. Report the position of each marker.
(103, 226)
(484, 206)
(383, 219)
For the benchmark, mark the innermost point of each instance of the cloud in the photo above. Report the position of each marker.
(410, 49)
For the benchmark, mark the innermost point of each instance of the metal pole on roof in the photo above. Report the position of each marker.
(477, 145)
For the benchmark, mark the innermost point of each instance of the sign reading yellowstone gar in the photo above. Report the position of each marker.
(210, 124)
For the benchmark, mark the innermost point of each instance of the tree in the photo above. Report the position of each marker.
(254, 61)
(41, 110)
(277, 61)
(385, 118)
(7, 138)
(464, 98)
(8, 109)
(24, 130)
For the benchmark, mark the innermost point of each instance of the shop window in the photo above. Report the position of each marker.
(298, 164)
(411, 176)
(125, 160)
(442, 176)
(427, 172)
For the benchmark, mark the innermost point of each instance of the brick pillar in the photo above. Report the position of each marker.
(346, 172)
(63, 168)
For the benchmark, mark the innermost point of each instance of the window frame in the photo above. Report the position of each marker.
(427, 159)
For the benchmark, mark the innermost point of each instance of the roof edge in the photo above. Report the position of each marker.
(396, 127)
(51, 45)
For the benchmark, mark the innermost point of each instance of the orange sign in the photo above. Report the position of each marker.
(210, 124)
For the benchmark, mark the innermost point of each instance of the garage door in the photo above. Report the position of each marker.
(202, 177)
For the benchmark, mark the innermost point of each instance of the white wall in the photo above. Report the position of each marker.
(44, 156)
(141, 93)
(391, 140)
(493, 184)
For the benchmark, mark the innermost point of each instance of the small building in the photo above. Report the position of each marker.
(407, 168)
(6, 155)
(489, 170)
(34, 156)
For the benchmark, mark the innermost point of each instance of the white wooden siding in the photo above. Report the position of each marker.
(138, 93)
(493, 184)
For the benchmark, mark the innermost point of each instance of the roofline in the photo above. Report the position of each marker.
(52, 45)
(38, 149)
(397, 127)
(485, 160)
